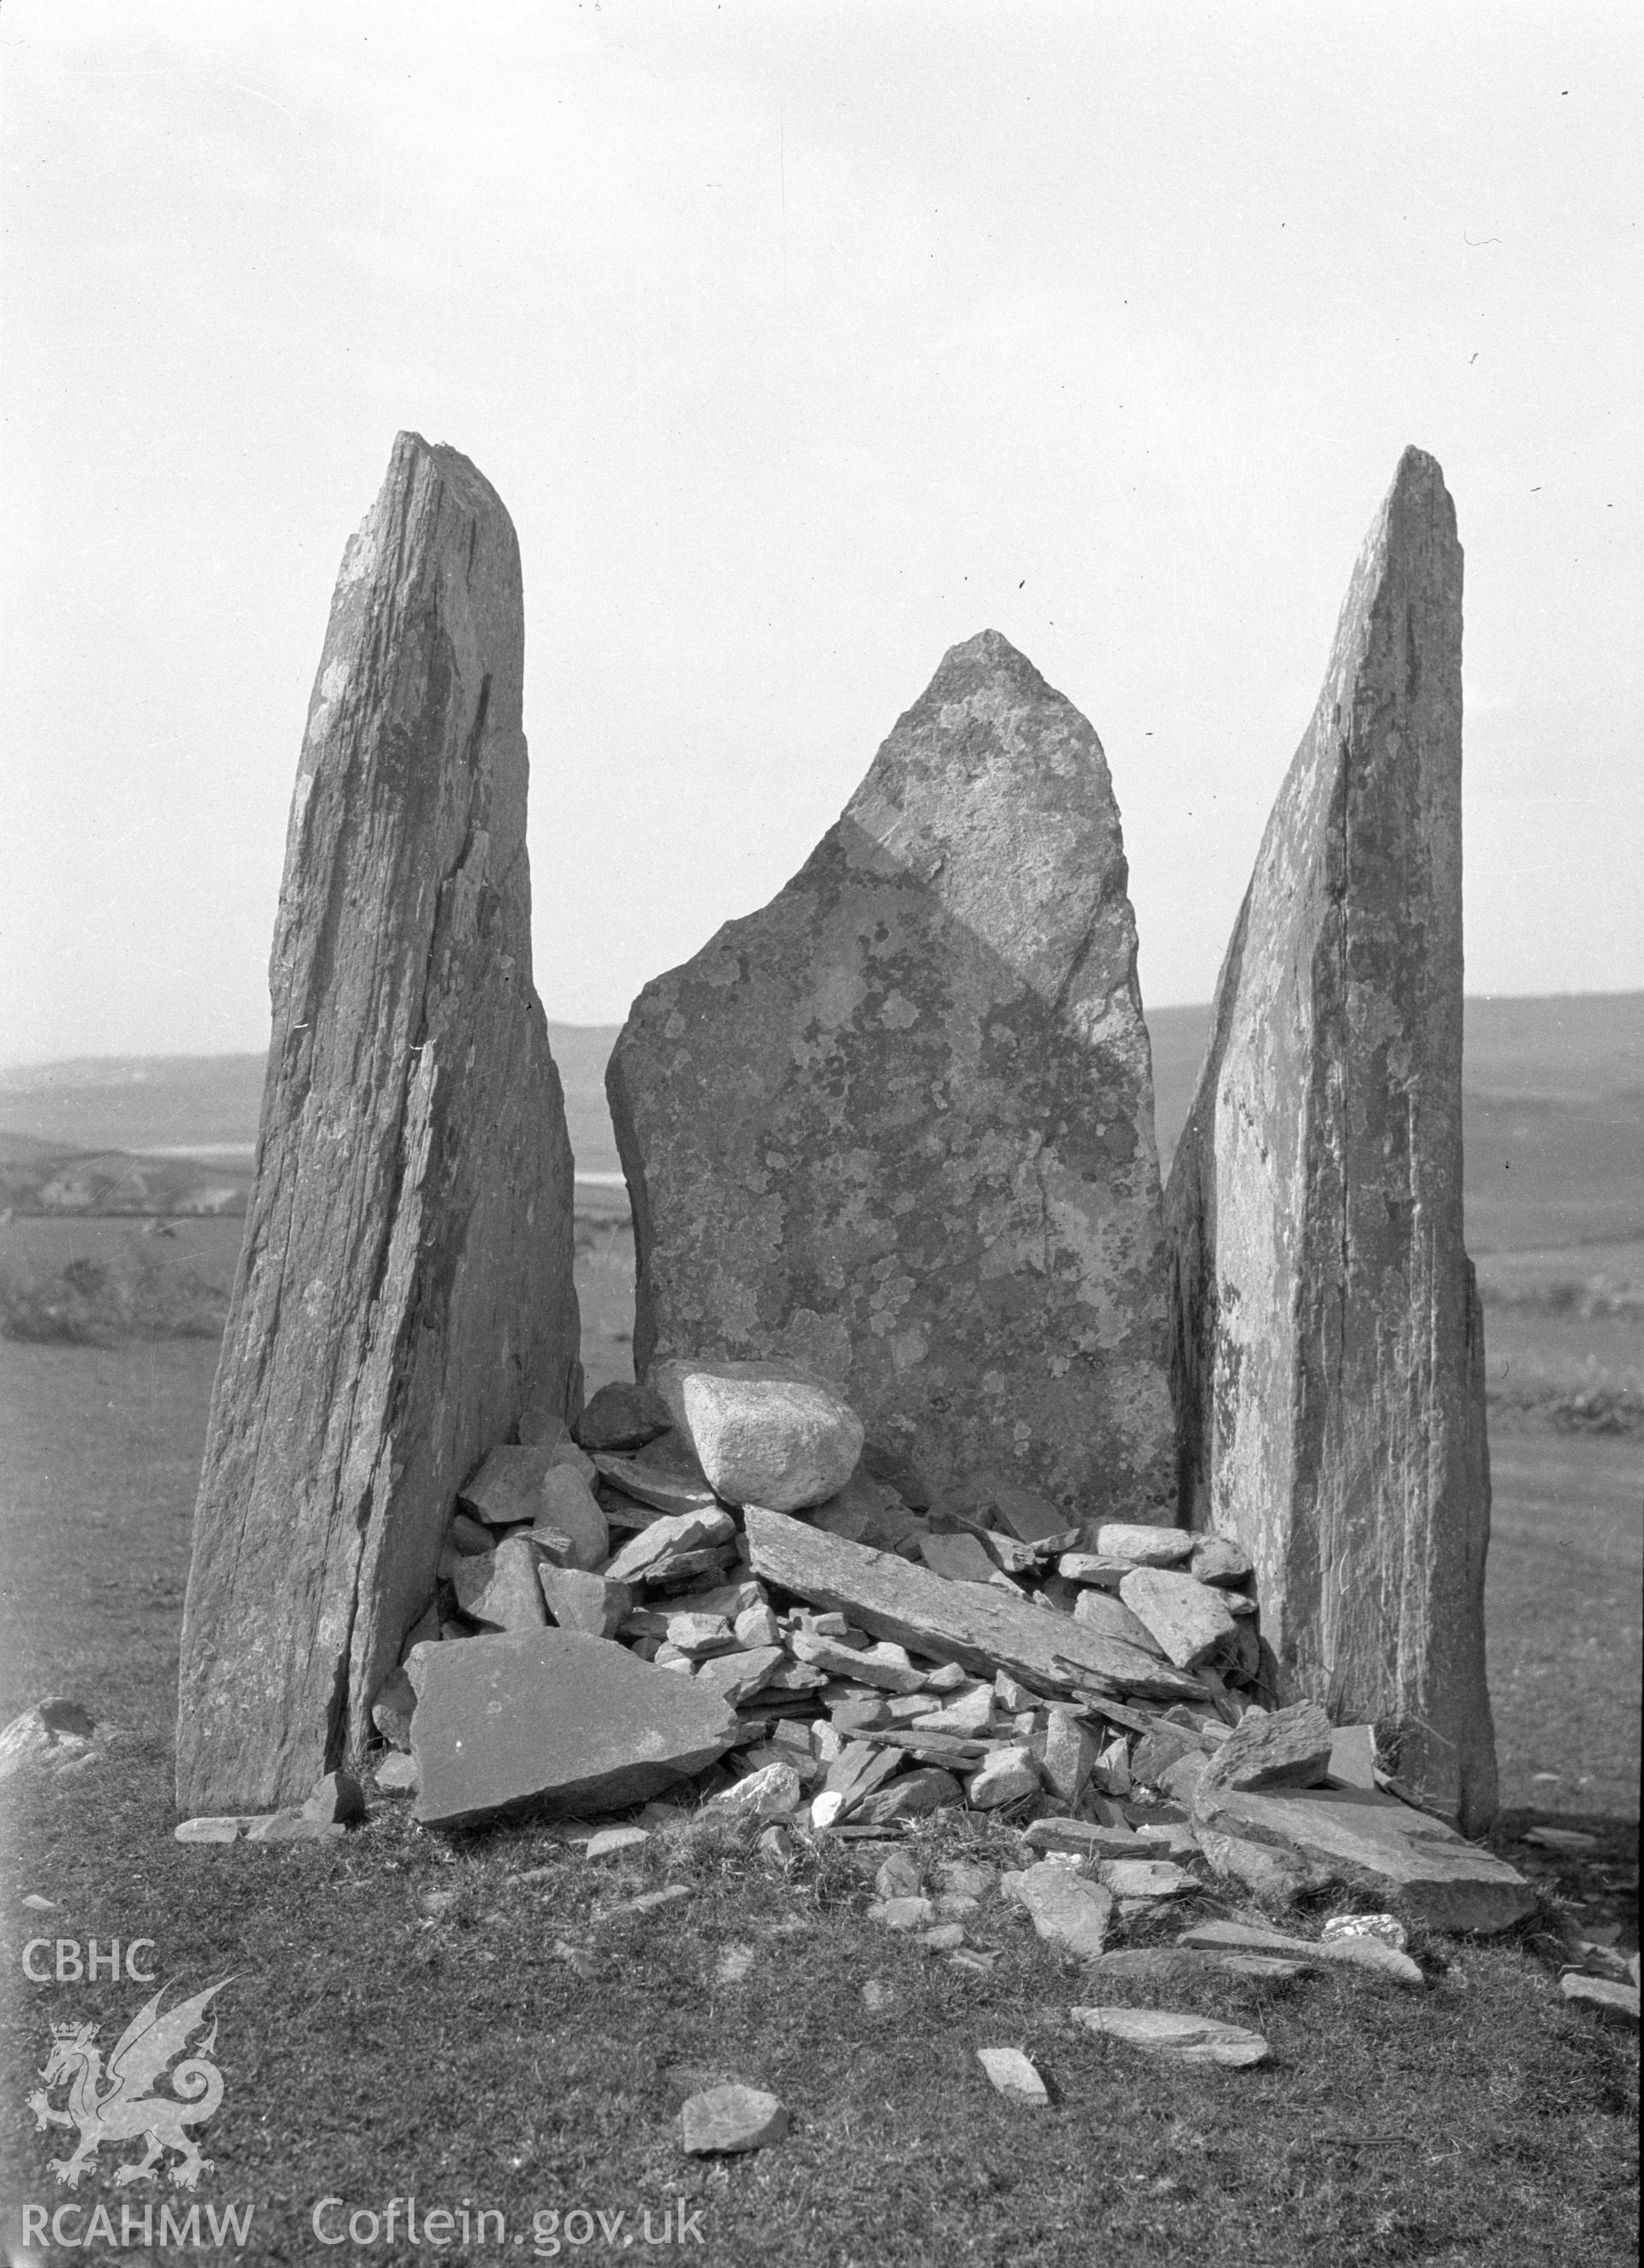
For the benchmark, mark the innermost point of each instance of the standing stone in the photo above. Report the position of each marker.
(899, 1124)
(1329, 1351)
(405, 1286)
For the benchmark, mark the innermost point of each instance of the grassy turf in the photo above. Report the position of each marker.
(373, 2050)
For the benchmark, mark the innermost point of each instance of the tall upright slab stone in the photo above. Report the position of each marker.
(405, 1288)
(899, 1124)
(1329, 1349)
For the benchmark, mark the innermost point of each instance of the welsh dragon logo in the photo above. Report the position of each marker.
(115, 2105)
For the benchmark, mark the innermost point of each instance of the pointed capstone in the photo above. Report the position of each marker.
(1328, 1353)
(405, 1285)
(899, 1124)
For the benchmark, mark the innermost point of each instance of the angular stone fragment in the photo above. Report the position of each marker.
(1069, 1755)
(405, 1288)
(1189, 1620)
(726, 2118)
(1184, 2039)
(221, 1830)
(899, 1124)
(567, 1507)
(902, 1911)
(911, 1795)
(666, 1489)
(1006, 1777)
(1029, 1517)
(1412, 1861)
(1219, 1559)
(501, 1589)
(1012, 2075)
(667, 1539)
(959, 1557)
(1066, 1910)
(1289, 1748)
(1604, 1995)
(1273, 1876)
(773, 1793)
(885, 1666)
(1100, 1610)
(579, 1601)
(1328, 1341)
(736, 1677)
(397, 1774)
(971, 1624)
(555, 1721)
(1145, 1878)
(762, 1432)
(1352, 1755)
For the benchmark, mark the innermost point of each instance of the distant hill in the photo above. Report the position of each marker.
(1554, 1112)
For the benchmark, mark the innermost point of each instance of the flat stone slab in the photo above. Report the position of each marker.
(898, 1123)
(1419, 1864)
(1175, 1963)
(1189, 1621)
(728, 2119)
(1182, 2038)
(1365, 1953)
(555, 1721)
(983, 1629)
(1066, 1910)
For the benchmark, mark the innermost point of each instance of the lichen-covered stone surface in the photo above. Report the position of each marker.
(899, 1124)
(405, 1284)
(1329, 1349)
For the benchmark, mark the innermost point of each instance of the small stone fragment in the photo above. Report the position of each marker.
(1173, 1964)
(611, 1842)
(1085, 1837)
(578, 1600)
(1184, 2039)
(911, 1795)
(826, 1809)
(338, 1800)
(728, 2119)
(773, 1794)
(1143, 1546)
(1276, 1877)
(1031, 1518)
(567, 1507)
(470, 1536)
(671, 1489)
(51, 1724)
(1013, 2077)
(885, 1665)
(502, 1590)
(966, 1714)
(1602, 1994)
(1145, 1878)
(755, 1628)
(1292, 1747)
(959, 1557)
(669, 1538)
(1067, 1910)
(902, 1913)
(392, 1709)
(1099, 1610)
(397, 1775)
(1070, 1755)
(1219, 1559)
(765, 1433)
(699, 1636)
(621, 1417)
(223, 1830)
(1189, 1620)
(1570, 1842)
(1386, 1926)
(1008, 1774)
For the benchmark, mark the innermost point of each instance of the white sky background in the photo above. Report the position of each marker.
(802, 341)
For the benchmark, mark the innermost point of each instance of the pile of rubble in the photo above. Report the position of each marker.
(719, 1580)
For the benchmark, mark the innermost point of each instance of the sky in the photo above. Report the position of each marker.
(802, 339)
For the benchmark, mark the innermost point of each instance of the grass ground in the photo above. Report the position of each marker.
(403, 2018)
